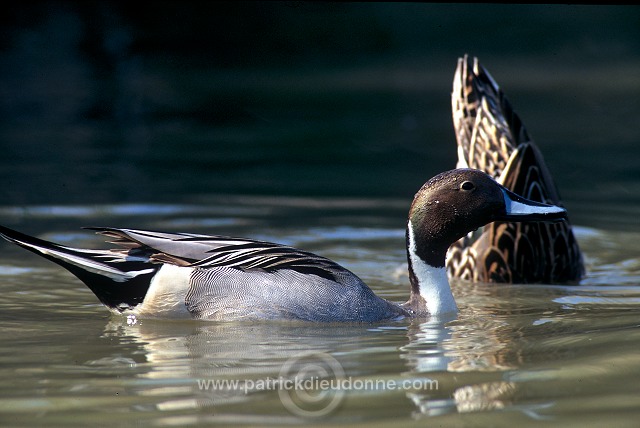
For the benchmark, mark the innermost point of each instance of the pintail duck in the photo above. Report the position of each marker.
(492, 138)
(182, 275)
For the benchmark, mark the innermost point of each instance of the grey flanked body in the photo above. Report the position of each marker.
(269, 296)
(492, 138)
(178, 275)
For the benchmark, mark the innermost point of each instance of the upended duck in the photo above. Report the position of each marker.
(182, 275)
(492, 138)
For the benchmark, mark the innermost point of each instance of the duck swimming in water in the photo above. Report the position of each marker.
(182, 275)
(492, 138)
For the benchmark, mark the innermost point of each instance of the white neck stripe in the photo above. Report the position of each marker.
(432, 282)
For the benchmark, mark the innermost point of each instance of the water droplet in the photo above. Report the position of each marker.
(131, 319)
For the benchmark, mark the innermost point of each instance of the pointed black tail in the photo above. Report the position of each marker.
(118, 281)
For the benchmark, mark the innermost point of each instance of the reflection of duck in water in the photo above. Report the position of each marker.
(220, 278)
(511, 348)
(225, 367)
(492, 138)
(476, 361)
(439, 351)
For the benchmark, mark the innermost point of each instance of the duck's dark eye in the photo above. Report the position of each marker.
(467, 185)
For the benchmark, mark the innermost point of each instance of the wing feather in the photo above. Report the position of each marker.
(210, 251)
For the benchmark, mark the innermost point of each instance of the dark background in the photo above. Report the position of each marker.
(113, 102)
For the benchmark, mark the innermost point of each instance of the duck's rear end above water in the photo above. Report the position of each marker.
(492, 138)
